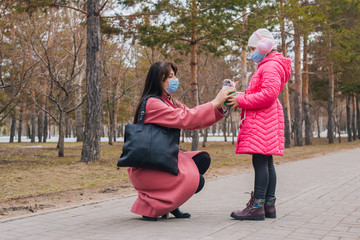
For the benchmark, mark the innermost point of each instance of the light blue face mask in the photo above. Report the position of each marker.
(257, 57)
(173, 85)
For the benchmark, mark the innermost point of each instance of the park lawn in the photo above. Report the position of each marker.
(27, 172)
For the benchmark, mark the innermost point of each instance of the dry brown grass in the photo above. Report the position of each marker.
(37, 173)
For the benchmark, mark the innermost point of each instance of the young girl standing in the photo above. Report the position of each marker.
(262, 127)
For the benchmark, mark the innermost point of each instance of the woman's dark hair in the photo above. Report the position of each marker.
(158, 73)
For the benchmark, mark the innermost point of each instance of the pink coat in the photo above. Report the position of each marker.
(262, 127)
(161, 192)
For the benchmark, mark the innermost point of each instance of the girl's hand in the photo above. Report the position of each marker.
(233, 102)
(221, 97)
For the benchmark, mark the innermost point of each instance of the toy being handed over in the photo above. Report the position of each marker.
(227, 83)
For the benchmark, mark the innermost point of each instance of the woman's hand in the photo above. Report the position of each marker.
(232, 101)
(221, 97)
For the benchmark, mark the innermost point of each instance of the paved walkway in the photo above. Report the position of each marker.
(318, 198)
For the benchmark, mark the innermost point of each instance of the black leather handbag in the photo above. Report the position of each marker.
(150, 145)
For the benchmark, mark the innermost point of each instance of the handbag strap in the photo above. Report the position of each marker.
(141, 117)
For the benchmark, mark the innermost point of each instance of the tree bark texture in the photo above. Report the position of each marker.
(305, 75)
(91, 146)
(298, 91)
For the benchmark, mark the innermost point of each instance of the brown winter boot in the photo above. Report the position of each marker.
(254, 210)
(270, 210)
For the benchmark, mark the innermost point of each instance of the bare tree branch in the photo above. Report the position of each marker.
(76, 9)
(101, 8)
(76, 107)
(40, 107)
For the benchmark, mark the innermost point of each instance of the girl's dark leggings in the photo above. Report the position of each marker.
(202, 161)
(265, 176)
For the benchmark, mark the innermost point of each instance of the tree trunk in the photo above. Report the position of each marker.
(46, 120)
(20, 122)
(305, 75)
(46, 123)
(331, 96)
(205, 137)
(318, 126)
(358, 115)
(40, 126)
(61, 134)
(339, 132)
(110, 119)
(224, 130)
(28, 130)
(244, 76)
(33, 127)
(66, 126)
(79, 131)
(348, 118)
(233, 130)
(286, 99)
(102, 131)
(298, 90)
(330, 104)
(114, 108)
(13, 126)
(79, 124)
(353, 117)
(193, 73)
(91, 146)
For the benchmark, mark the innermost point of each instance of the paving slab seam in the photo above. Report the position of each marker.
(342, 185)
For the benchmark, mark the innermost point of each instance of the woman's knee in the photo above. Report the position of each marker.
(202, 161)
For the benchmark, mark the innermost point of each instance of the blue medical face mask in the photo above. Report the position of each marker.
(257, 57)
(173, 85)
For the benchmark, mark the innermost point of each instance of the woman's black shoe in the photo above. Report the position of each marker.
(179, 214)
(149, 218)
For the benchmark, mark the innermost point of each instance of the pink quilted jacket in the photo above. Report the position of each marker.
(262, 127)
